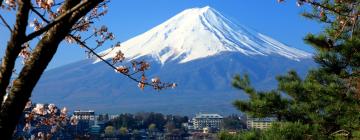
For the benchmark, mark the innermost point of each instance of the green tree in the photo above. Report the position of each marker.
(232, 123)
(155, 118)
(136, 134)
(170, 126)
(123, 131)
(279, 131)
(152, 127)
(124, 120)
(246, 135)
(326, 101)
(109, 130)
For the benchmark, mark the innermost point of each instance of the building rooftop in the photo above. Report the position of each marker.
(84, 112)
(267, 119)
(213, 116)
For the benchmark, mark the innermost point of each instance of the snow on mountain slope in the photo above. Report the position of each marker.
(201, 32)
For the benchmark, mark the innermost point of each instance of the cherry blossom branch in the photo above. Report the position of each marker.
(51, 24)
(165, 85)
(56, 4)
(98, 56)
(156, 84)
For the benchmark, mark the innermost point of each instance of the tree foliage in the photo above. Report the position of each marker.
(109, 131)
(123, 131)
(279, 131)
(151, 121)
(233, 122)
(326, 101)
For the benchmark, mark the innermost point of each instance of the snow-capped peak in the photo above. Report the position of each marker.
(198, 33)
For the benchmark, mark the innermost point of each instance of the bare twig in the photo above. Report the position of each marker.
(5, 23)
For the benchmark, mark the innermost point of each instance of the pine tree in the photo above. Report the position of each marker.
(328, 98)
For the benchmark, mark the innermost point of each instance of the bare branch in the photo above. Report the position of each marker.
(5, 23)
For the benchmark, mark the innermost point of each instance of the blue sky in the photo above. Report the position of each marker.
(128, 18)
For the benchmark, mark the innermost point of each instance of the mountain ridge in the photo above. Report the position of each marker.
(211, 33)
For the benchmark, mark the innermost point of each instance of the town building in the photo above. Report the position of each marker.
(88, 115)
(201, 121)
(86, 119)
(259, 123)
(111, 117)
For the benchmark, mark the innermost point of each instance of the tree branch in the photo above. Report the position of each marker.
(51, 24)
(14, 46)
(36, 65)
(87, 47)
(5, 23)
(327, 8)
(102, 59)
(98, 56)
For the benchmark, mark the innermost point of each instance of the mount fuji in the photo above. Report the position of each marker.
(202, 32)
(199, 49)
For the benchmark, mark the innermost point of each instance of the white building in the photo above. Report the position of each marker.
(259, 123)
(88, 115)
(111, 117)
(201, 121)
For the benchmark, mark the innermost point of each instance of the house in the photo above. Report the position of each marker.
(259, 123)
(201, 121)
